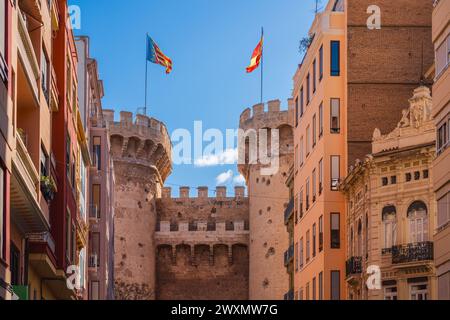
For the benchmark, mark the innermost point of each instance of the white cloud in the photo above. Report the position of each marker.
(224, 178)
(239, 180)
(227, 157)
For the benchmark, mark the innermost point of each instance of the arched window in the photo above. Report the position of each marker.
(418, 222)
(389, 226)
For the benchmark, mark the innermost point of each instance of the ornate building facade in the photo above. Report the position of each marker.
(391, 211)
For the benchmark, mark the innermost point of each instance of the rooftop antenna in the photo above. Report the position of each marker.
(317, 6)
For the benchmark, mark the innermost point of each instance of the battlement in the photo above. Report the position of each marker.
(144, 141)
(203, 193)
(259, 117)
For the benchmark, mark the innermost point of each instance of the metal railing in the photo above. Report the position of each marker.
(413, 252)
(289, 211)
(289, 255)
(354, 266)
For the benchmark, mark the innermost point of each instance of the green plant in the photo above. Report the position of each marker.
(48, 188)
(305, 43)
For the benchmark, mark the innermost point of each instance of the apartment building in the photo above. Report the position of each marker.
(441, 115)
(391, 211)
(319, 95)
(354, 77)
(5, 145)
(100, 208)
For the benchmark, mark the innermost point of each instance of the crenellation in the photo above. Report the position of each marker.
(257, 117)
(274, 106)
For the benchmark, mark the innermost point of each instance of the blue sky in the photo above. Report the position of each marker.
(210, 43)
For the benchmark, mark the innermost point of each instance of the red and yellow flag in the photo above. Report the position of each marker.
(256, 57)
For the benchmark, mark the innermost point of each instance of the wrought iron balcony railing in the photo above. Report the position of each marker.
(289, 255)
(413, 252)
(289, 296)
(289, 211)
(354, 266)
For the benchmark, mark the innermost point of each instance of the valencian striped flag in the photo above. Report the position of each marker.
(155, 55)
(256, 57)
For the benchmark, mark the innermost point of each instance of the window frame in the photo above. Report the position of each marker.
(335, 130)
(335, 234)
(335, 54)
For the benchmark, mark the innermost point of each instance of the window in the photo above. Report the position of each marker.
(44, 162)
(2, 209)
(68, 147)
(308, 140)
(96, 201)
(3, 33)
(417, 175)
(73, 171)
(443, 57)
(314, 288)
(426, 174)
(335, 231)
(321, 286)
(335, 285)
(384, 181)
(320, 176)
(296, 257)
(390, 292)
(308, 246)
(389, 216)
(314, 239)
(301, 204)
(314, 76)
(94, 247)
(73, 235)
(320, 120)
(394, 180)
(97, 148)
(443, 208)
(314, 185)
(335, 172)
(68, 236)
(442, 138)
(297, 112)
(301, 254)
(302, 154)
(45, 76)
(308, 89)
(335, 59)
(418, 222)
(94, 292)
(307, 194)
(335, 125)
(321, 234)
(296, 158)
(307, 292)
(321, 63)
(15, 267)
(408, 177)
(314, 130)
(81, 264)
(419, 291)
(302, 102)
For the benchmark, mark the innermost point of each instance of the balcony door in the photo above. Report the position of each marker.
(418, 222)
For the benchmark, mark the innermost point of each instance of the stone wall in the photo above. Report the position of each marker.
(269, 196)
(202, 246)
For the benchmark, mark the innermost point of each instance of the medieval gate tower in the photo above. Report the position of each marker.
(141, 152)
(268, 198)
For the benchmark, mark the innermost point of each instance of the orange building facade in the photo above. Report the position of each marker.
(319, 96)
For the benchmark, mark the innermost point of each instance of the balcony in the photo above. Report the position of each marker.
(413, 252)
(354, 266)
(289, 296)
(25, 205)
(289, 211)
(27, 55)
(289, 256)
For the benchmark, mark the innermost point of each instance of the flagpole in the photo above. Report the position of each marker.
(146, 75)
(262, 64)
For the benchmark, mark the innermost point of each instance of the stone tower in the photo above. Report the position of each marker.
(268, 199)
(141, 152)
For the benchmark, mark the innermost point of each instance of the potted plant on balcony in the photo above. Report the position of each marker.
(48, 188)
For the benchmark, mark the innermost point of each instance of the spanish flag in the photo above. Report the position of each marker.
(155, 55)
(256, 57)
